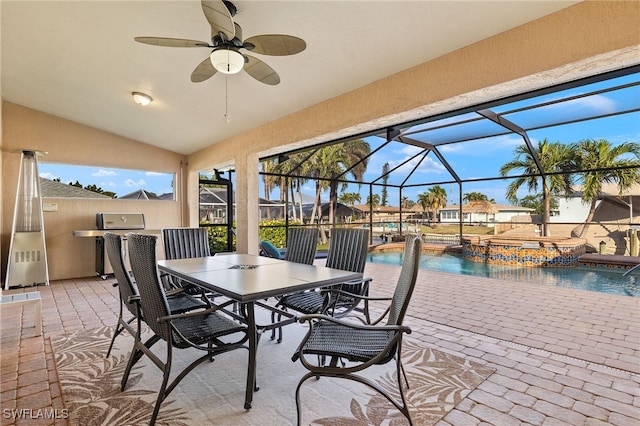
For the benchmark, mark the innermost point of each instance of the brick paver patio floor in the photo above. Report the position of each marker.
(562, 357)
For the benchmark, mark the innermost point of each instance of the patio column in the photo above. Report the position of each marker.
(247, 209)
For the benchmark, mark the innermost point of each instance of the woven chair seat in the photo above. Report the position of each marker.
(201, 329)
(183, 302)
(307, 302)
(332, 339)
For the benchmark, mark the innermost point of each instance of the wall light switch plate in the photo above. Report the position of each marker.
(49, 207)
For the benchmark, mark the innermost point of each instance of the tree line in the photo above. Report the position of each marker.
(589, 163)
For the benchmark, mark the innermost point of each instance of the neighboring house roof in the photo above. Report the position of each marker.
(377, 209)
(610, 190)
(341, 209)
(55, 189)
(213, 196)
(140, 194)
(480, 207)
(499, 207)
(217, 196)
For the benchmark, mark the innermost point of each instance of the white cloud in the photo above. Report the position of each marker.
(110, 183)
(496, 143)
(103, 172)
(154, 174)
(132, 183)
(594, 104)
(50, 176)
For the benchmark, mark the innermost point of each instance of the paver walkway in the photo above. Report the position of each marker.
(562, 356)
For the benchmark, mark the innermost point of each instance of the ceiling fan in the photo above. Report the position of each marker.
(226, 42)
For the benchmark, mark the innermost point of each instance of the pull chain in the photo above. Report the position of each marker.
(226, 100)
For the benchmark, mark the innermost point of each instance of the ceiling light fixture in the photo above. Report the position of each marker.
(141, 98)
(227, 60)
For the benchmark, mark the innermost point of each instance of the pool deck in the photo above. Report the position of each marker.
(562, 356)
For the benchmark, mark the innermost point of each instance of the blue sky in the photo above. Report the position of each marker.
(480, 158)
(120, 181)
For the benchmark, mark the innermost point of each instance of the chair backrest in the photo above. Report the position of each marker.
(301, 245)
(183, 243)
(115, 253)
(142, 256)
(348, 249)
(406, 281)
(269, 250)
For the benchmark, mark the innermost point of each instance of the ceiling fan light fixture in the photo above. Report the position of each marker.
(141, 98)
(227, 61)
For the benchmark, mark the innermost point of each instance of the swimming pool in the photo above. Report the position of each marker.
(570, 277)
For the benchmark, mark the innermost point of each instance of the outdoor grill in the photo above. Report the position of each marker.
(119, 223)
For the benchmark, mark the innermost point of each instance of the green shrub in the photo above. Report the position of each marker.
(218, 238)
(275, 232)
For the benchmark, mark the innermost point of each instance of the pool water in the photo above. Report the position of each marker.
(603, 281)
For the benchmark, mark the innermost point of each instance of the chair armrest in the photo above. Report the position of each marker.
(356, 281)
(359, 296)
(317, 317)
(213, 308)
(133, 298)
(175, 291)
(189, 314)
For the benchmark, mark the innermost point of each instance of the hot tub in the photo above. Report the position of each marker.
(524, 251)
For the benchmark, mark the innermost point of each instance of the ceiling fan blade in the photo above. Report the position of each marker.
(219, 18)
(261, 71)
(276, 44)
(203, 71)
(171, 42)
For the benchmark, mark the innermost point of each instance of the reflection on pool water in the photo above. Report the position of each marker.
(603, 281)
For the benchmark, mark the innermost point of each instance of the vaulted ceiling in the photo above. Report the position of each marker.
(78, 59)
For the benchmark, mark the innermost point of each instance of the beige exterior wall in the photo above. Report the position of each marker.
(72, 143)
(582, 40)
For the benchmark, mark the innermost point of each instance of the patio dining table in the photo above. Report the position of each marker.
(249, 279)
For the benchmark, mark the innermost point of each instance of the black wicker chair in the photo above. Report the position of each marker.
(178, 301)
(201, 330)
(362, 345)
(348, 250)
(302, 244)
(184, 243)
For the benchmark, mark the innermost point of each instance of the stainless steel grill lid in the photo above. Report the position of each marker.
(120, 221)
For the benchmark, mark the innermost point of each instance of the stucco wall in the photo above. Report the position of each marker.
(72, 143)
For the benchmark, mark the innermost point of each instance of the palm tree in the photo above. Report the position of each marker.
(294, 165)
(331, 162)
(605, 164)
(270, 182)
(349, 198)
(373, 201)
(385, 179)
(476, 196)
(352, 156)
(438, 199)
(433, 200)
(554, 157)
(424, 200)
